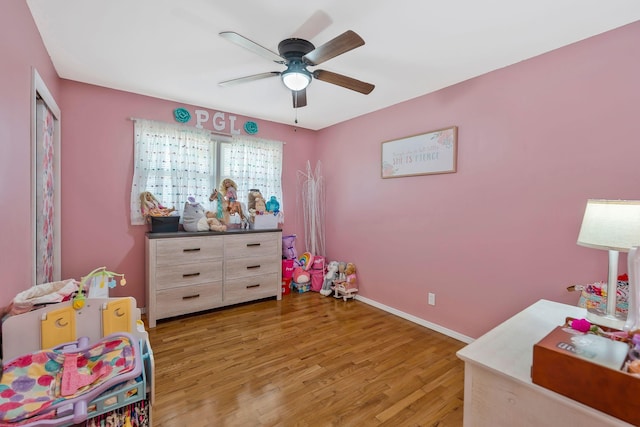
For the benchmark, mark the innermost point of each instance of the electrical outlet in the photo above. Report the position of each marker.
(432, 298)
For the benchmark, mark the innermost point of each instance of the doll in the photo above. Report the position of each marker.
(150, 206)
(346, 288)
(226, 197)
(229, 190)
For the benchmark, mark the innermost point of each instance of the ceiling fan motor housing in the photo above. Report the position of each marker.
(292, 49)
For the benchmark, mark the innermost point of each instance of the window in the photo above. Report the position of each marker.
(174, 162)
(253, 163)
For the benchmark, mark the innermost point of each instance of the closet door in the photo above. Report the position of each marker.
(45, 186)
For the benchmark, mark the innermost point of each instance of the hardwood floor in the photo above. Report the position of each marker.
(307, 360)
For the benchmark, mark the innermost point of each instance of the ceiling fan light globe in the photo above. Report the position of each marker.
(296, 80)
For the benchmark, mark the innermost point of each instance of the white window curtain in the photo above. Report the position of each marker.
(172, 162)
(253, 163)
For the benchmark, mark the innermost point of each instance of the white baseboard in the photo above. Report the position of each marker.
(414, 319)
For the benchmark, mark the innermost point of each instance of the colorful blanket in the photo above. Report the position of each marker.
(34, 384)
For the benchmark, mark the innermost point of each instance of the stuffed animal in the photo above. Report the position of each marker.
(301, 276)
(289, 247)
(329, 277)
(350, 281)
(260, 205)
(254, 194)
(196, 218)
(341, 276)
(150, 206)
(273, 205)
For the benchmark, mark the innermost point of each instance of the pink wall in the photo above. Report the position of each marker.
(536, 140)
(97, 169)
(21, 50)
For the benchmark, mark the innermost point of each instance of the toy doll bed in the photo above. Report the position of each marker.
(65, 367)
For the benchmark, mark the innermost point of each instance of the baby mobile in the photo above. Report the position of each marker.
(100, 278)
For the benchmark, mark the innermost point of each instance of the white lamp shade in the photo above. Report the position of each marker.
(611, 224)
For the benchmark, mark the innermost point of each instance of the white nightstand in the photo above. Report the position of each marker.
(498, 391)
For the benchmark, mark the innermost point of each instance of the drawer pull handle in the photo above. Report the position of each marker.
(253, 286)
(191, 275)
(192, 296)
(253, 266)
(253, 244)
(191, 250)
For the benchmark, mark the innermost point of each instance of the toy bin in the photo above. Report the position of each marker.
(286, 286)
(287, 268)
(164, 224)
(265, 222)
(301, 287)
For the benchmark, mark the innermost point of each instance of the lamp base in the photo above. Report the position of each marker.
(607, 320)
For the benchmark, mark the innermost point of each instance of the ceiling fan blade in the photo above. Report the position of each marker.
(344, 81)
(254, 47)
(299, 98)
(313, 26)
(343, 43)
(251, 78)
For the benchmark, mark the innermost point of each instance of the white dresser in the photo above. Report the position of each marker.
(498, 391)
(191, 272)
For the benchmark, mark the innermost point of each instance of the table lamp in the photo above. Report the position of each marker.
(613, 225)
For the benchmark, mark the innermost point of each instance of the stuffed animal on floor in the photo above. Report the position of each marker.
(351, 279)
(301, 276)
(329, 277)
(341, 276)
(196, 218)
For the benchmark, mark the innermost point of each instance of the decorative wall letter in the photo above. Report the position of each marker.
(218, 121)
(201, 117)
(232, 125)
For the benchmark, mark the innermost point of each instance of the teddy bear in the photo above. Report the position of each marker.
(196, 218)
(329, 277)
(351, 278)
(254, 193)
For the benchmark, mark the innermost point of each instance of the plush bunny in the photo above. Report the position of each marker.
(329, 277)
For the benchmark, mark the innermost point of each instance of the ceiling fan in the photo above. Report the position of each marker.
(297, 55)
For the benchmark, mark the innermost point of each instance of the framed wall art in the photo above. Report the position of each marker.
(424, 154)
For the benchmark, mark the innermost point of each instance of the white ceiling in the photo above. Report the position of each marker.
(171, 49)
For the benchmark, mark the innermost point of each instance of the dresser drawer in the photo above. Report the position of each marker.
(187, 299)
(188, 250)
(173, 276)
(248, 267)
(251, 288)
(250, 245)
